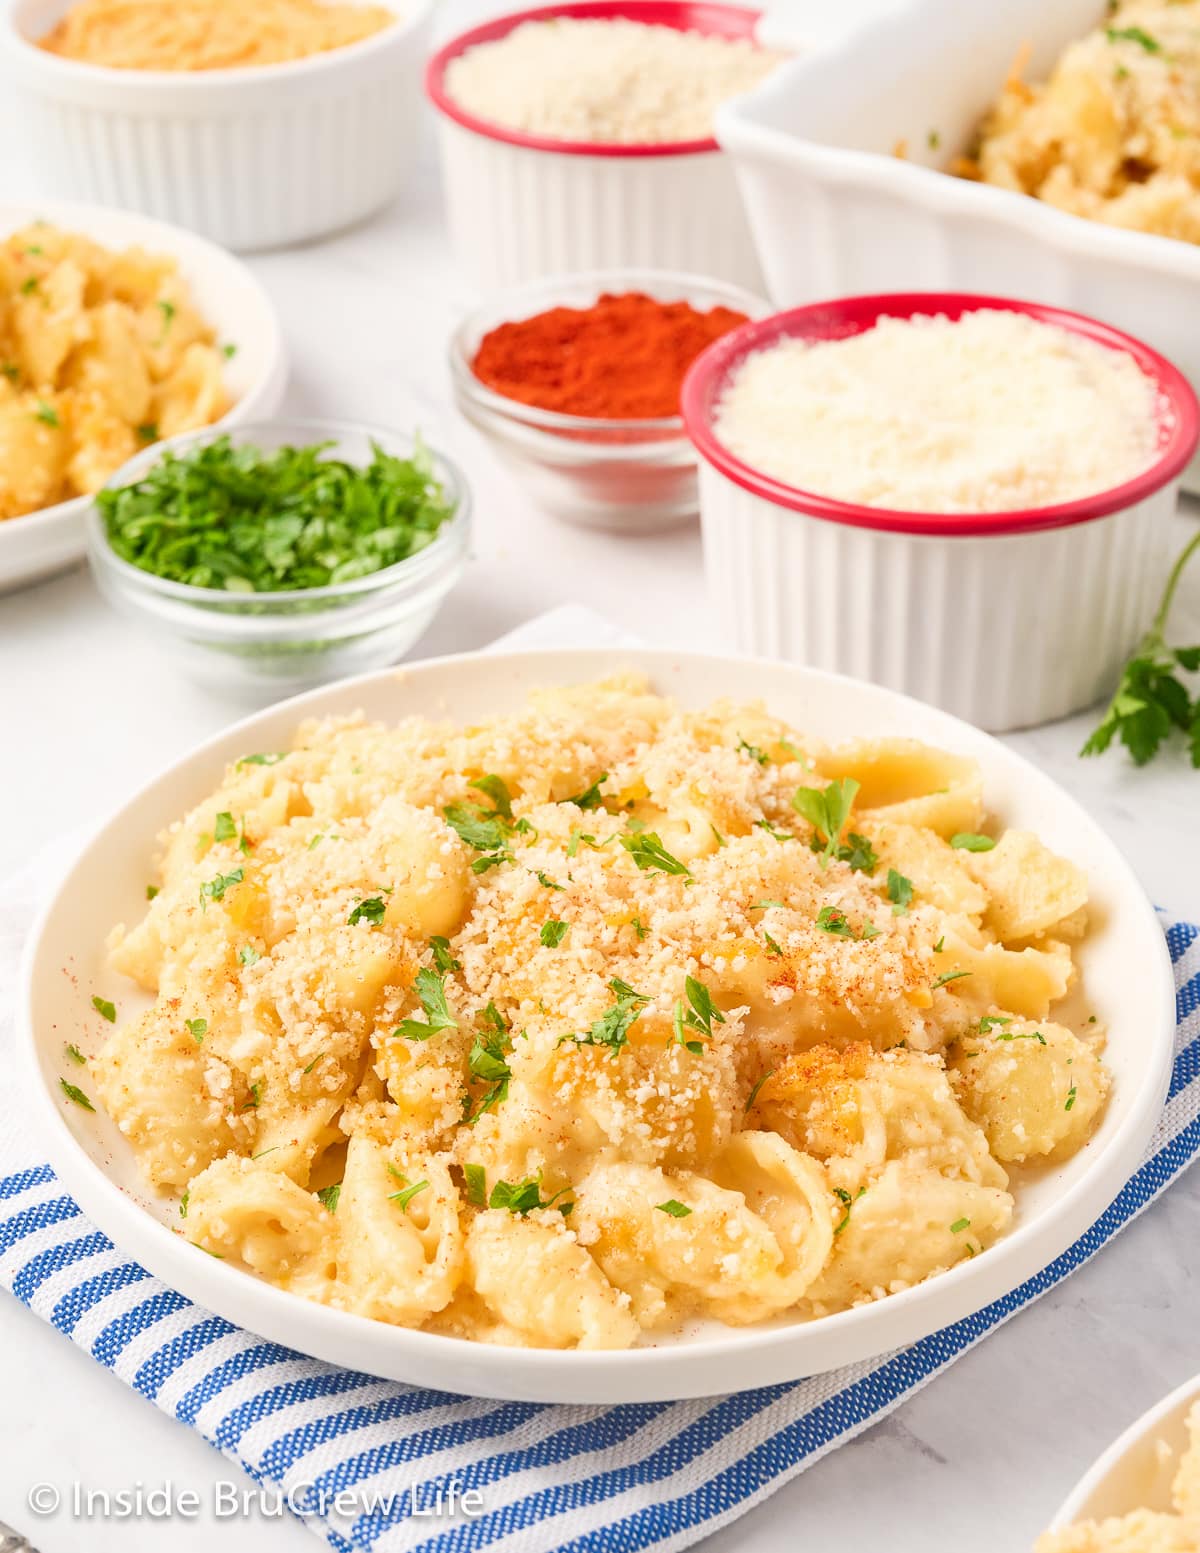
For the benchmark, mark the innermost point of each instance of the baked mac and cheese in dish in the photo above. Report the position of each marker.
(101, 353)
(599, 1018)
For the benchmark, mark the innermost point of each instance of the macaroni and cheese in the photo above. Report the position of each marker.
(101, 353)
(1114, 134)
(1144, 1531)
(567, 1027)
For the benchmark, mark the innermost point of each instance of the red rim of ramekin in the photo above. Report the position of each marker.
(1179, 413)
(722, 21)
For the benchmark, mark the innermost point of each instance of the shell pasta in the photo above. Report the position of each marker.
(599, 1018)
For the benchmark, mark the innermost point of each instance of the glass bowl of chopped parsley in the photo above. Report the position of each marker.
(283, 554)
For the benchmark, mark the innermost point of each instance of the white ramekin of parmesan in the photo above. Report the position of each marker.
(959, 497)
(579, 137)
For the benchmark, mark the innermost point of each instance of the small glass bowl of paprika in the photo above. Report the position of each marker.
(575, 381)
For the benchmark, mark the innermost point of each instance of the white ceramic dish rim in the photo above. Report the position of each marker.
(450, 538)
(617, 279)
(1150, 1424)
(196, 81)
(147, 231)
(735, 124)
(641, 1374)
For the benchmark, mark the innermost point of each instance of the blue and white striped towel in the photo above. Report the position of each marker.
(655, 1476)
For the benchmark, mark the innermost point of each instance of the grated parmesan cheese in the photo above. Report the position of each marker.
(989, 413)
(617, 81)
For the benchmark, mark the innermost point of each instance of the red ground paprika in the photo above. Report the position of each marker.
(623, 358)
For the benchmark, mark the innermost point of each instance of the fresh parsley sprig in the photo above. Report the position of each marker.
(700, 1016)
(487, 1066)
(431, 991)
(1152, 702)
(611, 1030)
(827, 809)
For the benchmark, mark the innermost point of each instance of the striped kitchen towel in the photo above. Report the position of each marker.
(375, 1465)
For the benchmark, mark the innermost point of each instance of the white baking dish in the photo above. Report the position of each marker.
(252, 158)
(523, 206)
(1136, 1471)
(1006, 619)
(835, 212)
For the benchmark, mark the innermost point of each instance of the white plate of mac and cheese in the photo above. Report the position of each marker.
(116, 332)
(567, 1027)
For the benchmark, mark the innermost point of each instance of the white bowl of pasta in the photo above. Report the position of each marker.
(1144, 1490)
(472, 1049)
(119, 330)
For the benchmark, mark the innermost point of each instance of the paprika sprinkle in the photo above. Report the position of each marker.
(623, 358)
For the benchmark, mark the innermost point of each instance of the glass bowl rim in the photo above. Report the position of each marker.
(452, 533)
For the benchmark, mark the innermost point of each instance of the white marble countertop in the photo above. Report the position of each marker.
(982, 1456)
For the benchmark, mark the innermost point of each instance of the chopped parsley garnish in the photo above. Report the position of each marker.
(229, 352)
(249, 955)
(648, 852)
(611, 1030)
(168, 311)
(940, 945)
(487, 1065)
(992, 1021)
(1022, 1035)
(224, 828)
(847, 1202)
(476, 1183)
(431, 992)
(859, 853)
(546, 882)
(197, 1029)
(73, 1092)
(1070, 1098)
(590, 797)
(370, 910)
(674, 1208)
(248, 520)
(553, 933)
(758, 1084)
(106, 1009)
(328, 1196)
(1136, 35)
(444, 962)
(765, 905)
(959, 1225)
(717, 836)
(949, 976)
(831, 920)
(496, 789)
(700, 1016)
(183, 1205)
(637, 927)
(262, 1153)
(580, 838)
(10, 370)
(772, 946)
(970, 841)
(755, 754)
(524, 1196)
(407, 1192)
(1152, 701)
(76, 1056)
(255, 1096)
(900, 892)
(780, 835)
(268, 759)
(933, 139)
(827, 810)
(147, 432)
(47, 414)
(214, 889)
(29, 285)
(313, 1063)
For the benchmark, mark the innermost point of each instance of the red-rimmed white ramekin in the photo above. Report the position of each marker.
(523, 206)
(1005, 619)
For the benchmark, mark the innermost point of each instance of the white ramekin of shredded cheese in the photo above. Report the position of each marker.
(955, 496)
(579, 137)
(314, 127)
